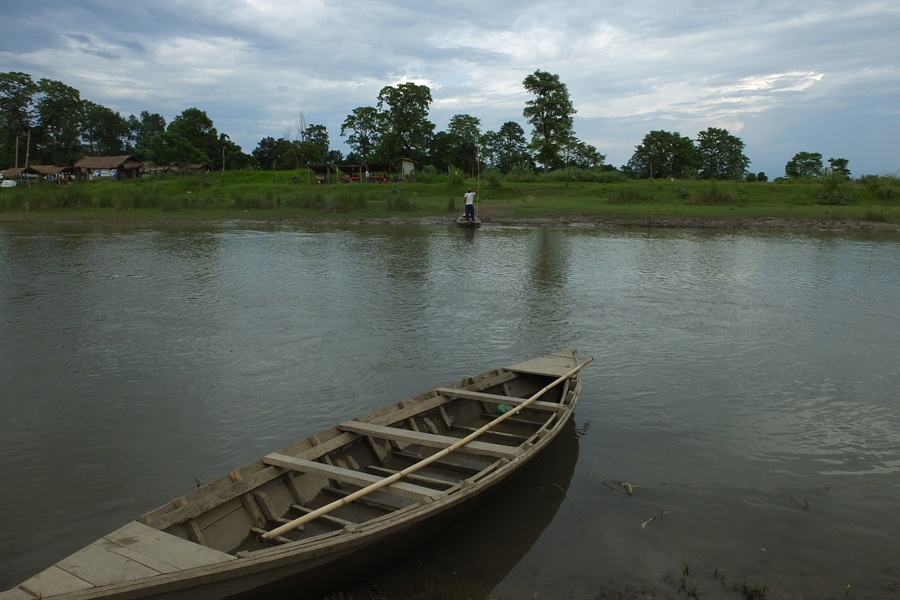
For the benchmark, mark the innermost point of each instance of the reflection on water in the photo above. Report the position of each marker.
(745, 384)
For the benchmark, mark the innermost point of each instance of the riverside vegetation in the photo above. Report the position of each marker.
(563, 196)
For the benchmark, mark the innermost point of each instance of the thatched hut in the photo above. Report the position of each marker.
(109, 167)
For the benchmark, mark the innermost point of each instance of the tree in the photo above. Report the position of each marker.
(405, 129)
(579, 155)
(721, 155)
(440, 150)
(231, 154)
(59, 122)
(507, 147)
(141, 131)
(197, 128)
(804, 164)
(550, 114)
(103, 132)
(264, 153)
(839, 165)
(761, 176)
(363, 123)
(664, 154)
(464, 134)
(16, 115)
(316, 144)
(169, 147)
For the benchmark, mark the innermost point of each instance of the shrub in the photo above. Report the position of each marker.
(714, 194)
(628, 195)
(835, 190)
(521, 172)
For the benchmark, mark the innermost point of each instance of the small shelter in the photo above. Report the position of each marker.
(11, 175)
(56, 173)
(370, 172)
(322, 172)
(149, 169)
(109, 167)
(408, 168)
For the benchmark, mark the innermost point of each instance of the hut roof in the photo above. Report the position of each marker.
(125, 161)
(51, 169)
(18, 172)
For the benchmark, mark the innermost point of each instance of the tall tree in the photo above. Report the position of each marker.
(363, 125)
(840, 166)
(507, 147)
(141, 131)
(316, 144)
(197, 128)
(664, 154)
(440, 150)
(804, 164)
(405, 129)
(550, 114)
(580, 155)
(103, 131)
(16, 115)
(721, 155)
(232, 157)
(169, 147)
(465, 134)
(264, 153)
(59, 122)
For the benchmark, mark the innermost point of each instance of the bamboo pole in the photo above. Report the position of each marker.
(412, 468)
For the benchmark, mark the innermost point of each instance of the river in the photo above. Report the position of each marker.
(744, 385)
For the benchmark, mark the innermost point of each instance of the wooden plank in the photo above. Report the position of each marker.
(203, 504)
(407, 490)
(160, 546)
(556, 364)
(53, 581)
(100, 566)
(509, 437)
(410, 411)
(17, 593)
(330, 519)
(413, 477)
(429, 439)
(499, 399)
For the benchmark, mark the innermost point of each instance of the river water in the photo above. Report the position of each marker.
(745, 385)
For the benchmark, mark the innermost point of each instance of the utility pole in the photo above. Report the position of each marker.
(27, 147)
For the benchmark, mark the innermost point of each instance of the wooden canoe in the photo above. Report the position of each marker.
(462, 222)
(284, 522)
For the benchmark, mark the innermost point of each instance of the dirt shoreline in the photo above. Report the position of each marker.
(603, 221)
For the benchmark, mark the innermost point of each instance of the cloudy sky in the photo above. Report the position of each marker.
(783, 75)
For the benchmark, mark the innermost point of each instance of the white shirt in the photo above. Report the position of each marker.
(470, 197)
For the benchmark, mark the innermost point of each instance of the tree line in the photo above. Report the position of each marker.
(62, 127)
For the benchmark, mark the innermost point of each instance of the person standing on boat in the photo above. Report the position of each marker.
(470, 205)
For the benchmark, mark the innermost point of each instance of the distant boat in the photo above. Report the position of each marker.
(309, 518)
(463, 222)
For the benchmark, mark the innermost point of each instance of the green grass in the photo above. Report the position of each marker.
(262, 195)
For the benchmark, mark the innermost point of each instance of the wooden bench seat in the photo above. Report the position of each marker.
(498, 399)
(400, 488)
(428, 439)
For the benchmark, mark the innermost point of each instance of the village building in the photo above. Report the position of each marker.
(18, 175)
(55, 173)
(109, 167)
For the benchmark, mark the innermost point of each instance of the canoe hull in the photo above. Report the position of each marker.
(204, 544)
(462, 222)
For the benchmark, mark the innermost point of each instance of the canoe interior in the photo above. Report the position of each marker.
(462, 222)
(229, 514)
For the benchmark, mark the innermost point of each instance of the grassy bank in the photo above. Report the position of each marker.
(293, 195)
